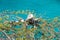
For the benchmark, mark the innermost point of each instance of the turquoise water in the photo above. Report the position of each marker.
(50, 7)
(47, 8)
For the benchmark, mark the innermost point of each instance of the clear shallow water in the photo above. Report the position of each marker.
(47, 8)
(50, 7)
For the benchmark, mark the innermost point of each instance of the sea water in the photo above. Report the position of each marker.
(43, 8)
